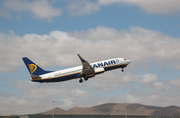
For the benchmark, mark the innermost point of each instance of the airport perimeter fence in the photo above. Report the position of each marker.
(94, 116)
(9, 116)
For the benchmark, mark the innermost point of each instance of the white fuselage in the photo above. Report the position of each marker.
(75, 72)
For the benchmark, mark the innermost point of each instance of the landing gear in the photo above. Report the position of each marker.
(85, 79)
(80, 81)
(122, 70)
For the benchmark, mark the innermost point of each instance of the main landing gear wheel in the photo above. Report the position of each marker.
(85, 79)
(80, 81)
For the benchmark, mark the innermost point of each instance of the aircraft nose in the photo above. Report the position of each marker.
(129, 61)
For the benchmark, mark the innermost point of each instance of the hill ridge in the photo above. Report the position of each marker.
(119, 109)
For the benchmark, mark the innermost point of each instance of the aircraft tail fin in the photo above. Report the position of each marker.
(33, 68)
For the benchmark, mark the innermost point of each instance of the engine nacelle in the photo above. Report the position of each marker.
(99, 70)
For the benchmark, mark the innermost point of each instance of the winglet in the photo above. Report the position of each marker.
(81, 58)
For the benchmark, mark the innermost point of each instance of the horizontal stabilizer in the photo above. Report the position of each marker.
(35, 77)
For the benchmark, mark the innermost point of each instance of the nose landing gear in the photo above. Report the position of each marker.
(122, 70)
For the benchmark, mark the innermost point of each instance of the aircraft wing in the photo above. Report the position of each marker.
(87, 70)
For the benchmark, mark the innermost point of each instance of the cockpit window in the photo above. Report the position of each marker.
(125, 59)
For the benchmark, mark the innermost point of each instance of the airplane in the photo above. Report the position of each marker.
(85, 71)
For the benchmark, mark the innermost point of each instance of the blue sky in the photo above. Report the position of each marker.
(118, 16)
(52, 33)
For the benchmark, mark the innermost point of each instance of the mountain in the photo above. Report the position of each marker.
(119, 109)
(55, 111)
(122, 109)
(82, 110)
(168, 111)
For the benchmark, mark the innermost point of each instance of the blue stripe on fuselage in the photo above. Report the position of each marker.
(59, 79)
(114, 67)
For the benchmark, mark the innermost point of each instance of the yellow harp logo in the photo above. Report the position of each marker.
(32, 68)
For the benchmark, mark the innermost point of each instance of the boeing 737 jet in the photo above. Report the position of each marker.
(85, 71)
